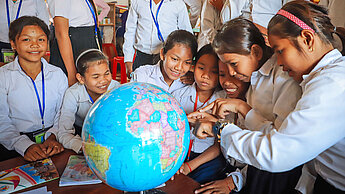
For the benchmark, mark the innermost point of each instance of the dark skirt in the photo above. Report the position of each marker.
(321, 186)
(264, 182)
(82, 38)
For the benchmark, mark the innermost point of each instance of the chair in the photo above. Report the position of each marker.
(110, 50)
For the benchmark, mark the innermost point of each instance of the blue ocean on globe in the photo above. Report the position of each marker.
(135, 137)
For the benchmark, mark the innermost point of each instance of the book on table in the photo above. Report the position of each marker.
(27, 175)
(77, 172)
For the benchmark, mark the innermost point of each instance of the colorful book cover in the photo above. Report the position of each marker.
(28, 175)
(77, 172)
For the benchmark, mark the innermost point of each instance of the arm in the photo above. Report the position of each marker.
(183, 22)
(65, 46)
(301, 137)
(208, 25)
(105, 9)
(208, 155)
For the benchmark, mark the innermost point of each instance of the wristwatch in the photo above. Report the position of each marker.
(218, 127)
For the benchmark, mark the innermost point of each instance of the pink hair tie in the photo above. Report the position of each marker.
(295, 20)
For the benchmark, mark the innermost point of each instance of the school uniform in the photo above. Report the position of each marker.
(141, 32)
(36, 8)
(81, 28)
(272, 94)
(313, 130)
(209, 24)
(211, 170)
(195, 9)
(152, 74)
(19, 109)
(75, 106)
(258, 11)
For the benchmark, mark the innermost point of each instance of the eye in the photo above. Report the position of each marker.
(174, 59)
(201, 68)
(107, 73)
(233, 64)
(189, 62)
(25, 39)
(280, 51)
(221, 74)
(42, 39)
(95, 77)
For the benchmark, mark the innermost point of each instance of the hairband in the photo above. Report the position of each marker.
(295, 20)
(84, 52)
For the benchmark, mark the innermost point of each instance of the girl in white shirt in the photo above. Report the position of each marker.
(198, 95)
(272, 95)
(31, 92)
(302, 34)
(176, 60)
(94, 78)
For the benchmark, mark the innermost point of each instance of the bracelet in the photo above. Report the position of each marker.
(190, 170)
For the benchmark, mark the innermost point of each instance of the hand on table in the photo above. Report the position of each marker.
(52, 146)
(217, 187)
(35, 152)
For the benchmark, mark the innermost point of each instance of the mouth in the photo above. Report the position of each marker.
(175, 74)
(103, 87)
(204, 83)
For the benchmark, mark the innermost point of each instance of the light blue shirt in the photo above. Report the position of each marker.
(19, 110)
(152, 74)
(141, 31)
(314, 130)
(75, 106)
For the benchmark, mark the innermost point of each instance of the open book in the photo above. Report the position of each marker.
(28, 175)
(77, 172)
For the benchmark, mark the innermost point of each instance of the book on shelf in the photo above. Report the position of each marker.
(27, 175)
(77, 172)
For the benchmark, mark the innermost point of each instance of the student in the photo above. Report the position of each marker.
(176, 59)
(11, 10)
(75, 30)
(148, 24)
(31, 92)
(272, 95)
(301, 35)
(210, 164)
(195, 96)
(94, 78)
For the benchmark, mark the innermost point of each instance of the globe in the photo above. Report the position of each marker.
(135, 137)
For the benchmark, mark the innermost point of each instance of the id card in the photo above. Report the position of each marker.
(39, 138)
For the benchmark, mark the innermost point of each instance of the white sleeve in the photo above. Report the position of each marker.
(306, 182)
(10, 136)
(58, 8)
(42, 11)
(129, 36)
(183, 22)
(239, 178)
(66, 130)
(301, 137)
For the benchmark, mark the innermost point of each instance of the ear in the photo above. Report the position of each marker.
(308, 39)
(161, 54)
(13, 45)
(256, 51)
(80, 78)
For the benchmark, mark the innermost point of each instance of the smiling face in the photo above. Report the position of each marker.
(206, 72)
(233, 87)
(176, 62)
(295, 62)
(240, 66)
(31, 44)
(96, 79)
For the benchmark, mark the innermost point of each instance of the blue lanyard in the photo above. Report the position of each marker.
(90, 97)
(95, 20)
(155, 20)
(8, 11)
(38, 97)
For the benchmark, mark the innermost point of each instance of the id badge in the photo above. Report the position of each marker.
(39, 138)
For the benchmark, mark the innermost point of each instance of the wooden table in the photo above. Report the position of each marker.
(182, 184)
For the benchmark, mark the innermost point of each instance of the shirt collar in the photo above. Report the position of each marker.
(265, 69)
(14, 66)
(84, 95)
(329, 58)
(157, 73)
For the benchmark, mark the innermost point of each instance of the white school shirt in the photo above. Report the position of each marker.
(186, 97)
(315, 129)
(152, 74)
(258, 11)
(141, 31)
(36, 8)
(75, 106)
(77, 12)
(272, 94)
(19, 110)
(209, 24)
(195, 9)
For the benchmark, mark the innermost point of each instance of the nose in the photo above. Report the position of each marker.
(34, 43)
(178, 66)
(232, 71)
(205, 74)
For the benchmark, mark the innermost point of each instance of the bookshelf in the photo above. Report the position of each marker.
(111, 20)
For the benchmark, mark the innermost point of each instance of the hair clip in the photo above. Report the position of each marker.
(295, 20)
(83, 53)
